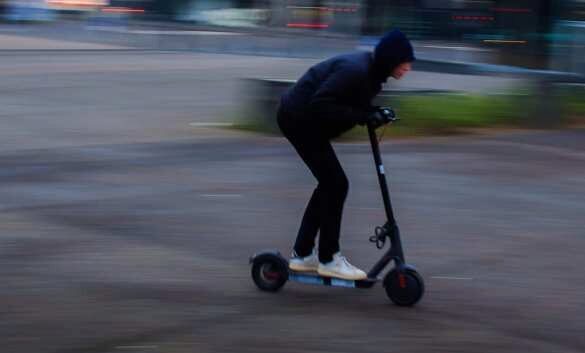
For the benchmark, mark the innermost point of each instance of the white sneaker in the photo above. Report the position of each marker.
(304, 264)
(340, 268)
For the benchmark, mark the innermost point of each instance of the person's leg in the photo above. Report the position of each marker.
(305, 241)
(310, 224)
(333, 187)
(324, 211)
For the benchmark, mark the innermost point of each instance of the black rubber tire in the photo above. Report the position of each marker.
(269, 273)
(404, 288)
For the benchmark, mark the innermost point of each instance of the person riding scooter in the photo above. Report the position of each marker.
(331, 98)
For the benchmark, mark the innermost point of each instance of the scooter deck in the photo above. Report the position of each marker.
(314, 278)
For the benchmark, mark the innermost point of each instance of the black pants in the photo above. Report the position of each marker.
(325, 208)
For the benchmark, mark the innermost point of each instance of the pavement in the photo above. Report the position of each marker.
(274, 41)
(64, 97)
(144, 247)
(12, 42)
(125, 228)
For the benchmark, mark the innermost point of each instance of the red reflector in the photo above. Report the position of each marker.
(402, 281)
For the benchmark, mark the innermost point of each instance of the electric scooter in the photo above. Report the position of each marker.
(403, 284)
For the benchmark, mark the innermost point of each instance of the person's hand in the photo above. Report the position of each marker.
(381, 116)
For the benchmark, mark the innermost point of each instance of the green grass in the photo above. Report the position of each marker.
(445, 114)
(450, 113)
(574, 103)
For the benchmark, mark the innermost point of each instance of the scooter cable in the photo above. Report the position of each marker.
(382, 134)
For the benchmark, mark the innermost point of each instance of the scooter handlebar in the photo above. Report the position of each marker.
(388, 114)
(382, 116)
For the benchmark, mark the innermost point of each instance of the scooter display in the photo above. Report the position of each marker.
(403, 284)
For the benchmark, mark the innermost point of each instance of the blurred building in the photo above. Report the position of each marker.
(521, 30)
(29, 10)
(533, 33)
(76, 5)
(459, 19)
(568, 37)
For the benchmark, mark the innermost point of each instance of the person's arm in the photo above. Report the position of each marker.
(327, 103)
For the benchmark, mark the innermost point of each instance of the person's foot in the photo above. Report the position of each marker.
(340, 268)
(304, 264)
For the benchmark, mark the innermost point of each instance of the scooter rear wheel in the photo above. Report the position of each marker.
(404, 287)
(269, 272)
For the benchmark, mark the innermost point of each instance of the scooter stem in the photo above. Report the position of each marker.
(395, 253)
(381, 174)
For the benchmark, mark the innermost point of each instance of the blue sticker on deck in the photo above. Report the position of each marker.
(314, 279)
(342, 283)
(306, 278)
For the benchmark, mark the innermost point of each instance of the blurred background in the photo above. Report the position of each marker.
(540, 44)
(140, 167)
(530, 33)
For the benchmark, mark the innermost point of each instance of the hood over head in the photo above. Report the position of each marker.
(392, 50)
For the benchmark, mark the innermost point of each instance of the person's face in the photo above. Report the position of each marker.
(401, 70)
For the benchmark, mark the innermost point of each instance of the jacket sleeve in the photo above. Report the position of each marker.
(330, 102)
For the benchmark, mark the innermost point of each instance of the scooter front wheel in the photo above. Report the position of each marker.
(269, 272)
(404, 287)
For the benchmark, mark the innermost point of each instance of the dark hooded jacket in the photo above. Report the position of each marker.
(335, 95)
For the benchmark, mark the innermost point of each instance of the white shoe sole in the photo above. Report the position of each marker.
(302, 268)
(326, 273)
